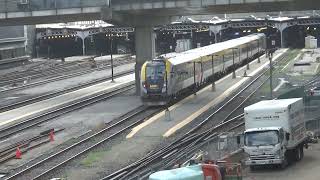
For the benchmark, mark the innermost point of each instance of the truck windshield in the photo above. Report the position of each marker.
(261, 138)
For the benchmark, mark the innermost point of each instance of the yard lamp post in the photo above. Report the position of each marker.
(271, 88)
(111, 57)
(233, 65)
(213, 73)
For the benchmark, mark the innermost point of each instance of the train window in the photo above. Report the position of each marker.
(155, 72)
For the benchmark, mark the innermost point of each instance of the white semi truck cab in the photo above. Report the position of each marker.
(275, 132)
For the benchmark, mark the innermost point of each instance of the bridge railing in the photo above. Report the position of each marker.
(38, 5)
(153, 4)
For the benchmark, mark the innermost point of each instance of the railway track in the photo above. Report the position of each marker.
(39, 70)
(12, 129)
(42, 169)
(46, 69)
(174, 152)
(59, 92)
(8, 152)
(209, 128)
(79, 71)
(178, 146)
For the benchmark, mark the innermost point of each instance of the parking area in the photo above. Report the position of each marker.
(308, 168)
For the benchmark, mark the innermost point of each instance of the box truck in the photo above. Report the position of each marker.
(275, 132)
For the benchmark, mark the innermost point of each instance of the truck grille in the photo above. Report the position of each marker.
(262, 157)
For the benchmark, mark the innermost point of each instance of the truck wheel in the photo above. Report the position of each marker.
(301, 151)
(285, 163)
(298, 154)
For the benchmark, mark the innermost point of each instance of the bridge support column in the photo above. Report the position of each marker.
(215, 30)
(83, 36)
(282, 39)
(145, 50)
(29, 34)
(281, 27)
(83, 47)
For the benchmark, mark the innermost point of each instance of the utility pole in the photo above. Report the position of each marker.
(271, 89)
(233, 65)
(194, 78)
(111, 48)
(259, 51)
(213, 78)
(247, 60)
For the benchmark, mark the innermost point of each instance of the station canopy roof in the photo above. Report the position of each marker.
(273, 16)
(82, 25)
(207, 19)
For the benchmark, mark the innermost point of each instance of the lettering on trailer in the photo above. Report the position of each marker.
(280, 112)
(274, 117)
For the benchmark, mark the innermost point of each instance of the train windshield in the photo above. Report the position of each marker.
(155, 72)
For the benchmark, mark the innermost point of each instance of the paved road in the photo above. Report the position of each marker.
(307, 169)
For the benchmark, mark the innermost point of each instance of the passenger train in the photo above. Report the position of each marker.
(164, 78)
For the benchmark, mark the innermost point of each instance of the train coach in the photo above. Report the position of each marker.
(164, 78)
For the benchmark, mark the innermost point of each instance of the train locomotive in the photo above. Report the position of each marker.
(165, 77)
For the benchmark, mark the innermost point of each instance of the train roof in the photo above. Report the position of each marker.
(194, 54)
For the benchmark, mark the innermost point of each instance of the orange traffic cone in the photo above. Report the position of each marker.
(18, 153)
(51, 136)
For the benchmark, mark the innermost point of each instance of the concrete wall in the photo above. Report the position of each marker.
(11, 32)
(12, 42)
(35, 5)
(30, 34)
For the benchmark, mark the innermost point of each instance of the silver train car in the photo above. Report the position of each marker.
(164, 78)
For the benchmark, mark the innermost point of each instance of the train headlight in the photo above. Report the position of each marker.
(164, 88)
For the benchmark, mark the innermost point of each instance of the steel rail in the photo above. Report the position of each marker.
(89, 139)
(53, 79)
(59, 92)
(187, 137)
(44, 117)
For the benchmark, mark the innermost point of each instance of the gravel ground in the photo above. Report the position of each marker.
(307, 168)
(76, 124)
(15, 96)
(91, 166)
(124, 151)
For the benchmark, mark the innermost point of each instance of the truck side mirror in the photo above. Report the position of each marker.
(287, 136)
(238, 140)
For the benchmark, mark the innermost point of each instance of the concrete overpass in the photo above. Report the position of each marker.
(17, 12)
(141, 14)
